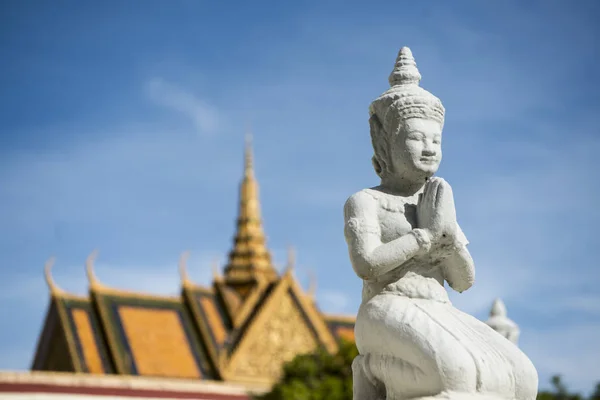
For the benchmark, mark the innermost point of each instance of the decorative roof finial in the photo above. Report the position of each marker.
(291, 261)
(89, 269)
(312, 285)
(405, 70)
(215, 270)
(54, 289)
(291, 258)
(183, 274)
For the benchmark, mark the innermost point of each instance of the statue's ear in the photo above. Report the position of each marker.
(376, 166)
(380, 145)
(375, 123)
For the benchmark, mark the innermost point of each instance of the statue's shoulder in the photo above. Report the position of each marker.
(361, 201)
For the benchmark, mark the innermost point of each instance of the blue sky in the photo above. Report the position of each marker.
(122, 127)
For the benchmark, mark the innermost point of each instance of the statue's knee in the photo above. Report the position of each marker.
(358, 366)
(526, 381)
(526, 389)
(365, 386)
(361, 369)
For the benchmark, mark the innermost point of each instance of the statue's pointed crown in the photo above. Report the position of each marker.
(405, 70)
(405, 98)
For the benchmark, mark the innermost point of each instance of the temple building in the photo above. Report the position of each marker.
(236, 333)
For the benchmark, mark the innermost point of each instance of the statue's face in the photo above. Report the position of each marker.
(417, 148)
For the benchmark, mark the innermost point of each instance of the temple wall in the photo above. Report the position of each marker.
(49, 396)
(54, 386)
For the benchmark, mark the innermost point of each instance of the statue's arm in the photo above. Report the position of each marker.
(459, 268)
(370, 257)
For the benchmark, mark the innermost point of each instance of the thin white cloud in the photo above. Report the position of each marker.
(205, 117)
(122, 176)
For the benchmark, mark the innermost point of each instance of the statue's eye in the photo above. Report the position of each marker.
(414, 136)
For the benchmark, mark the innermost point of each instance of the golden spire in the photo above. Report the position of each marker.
(248, 158)
(249, 259)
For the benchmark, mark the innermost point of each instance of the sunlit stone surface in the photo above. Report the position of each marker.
(404, 242)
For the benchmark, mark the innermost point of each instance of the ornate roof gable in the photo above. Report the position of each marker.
(72, 339)
(283, 326)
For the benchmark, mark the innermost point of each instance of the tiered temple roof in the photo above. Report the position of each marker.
(242, 328)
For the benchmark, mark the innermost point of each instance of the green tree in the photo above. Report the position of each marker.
(317, 376)
(560, 391)
(596, 393)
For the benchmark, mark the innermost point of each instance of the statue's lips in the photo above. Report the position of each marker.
(428, 160)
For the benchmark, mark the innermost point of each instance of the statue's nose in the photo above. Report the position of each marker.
(428, 148)
(429, 151)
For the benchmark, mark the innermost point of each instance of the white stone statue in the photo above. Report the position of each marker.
(404, 242)
(500, 322)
